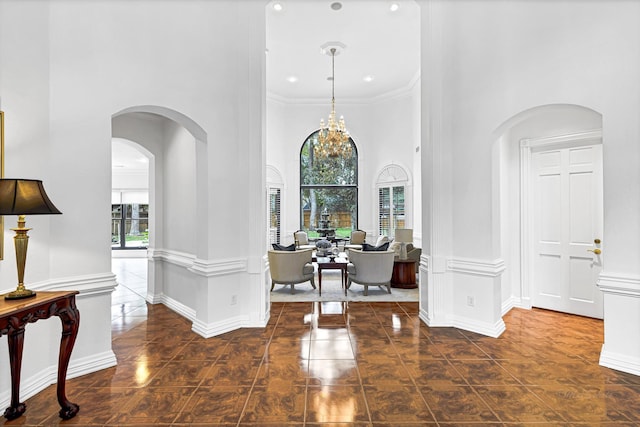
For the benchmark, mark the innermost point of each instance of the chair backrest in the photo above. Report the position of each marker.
(372, 266)
(301, 238)
(287, 266)
(358, 237)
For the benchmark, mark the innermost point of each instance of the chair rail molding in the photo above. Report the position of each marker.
(201, 267)
(617, 284)
(476, 267)
(92, 284)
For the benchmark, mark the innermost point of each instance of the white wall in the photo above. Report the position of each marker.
(41, 144)
(384, 131)
(65, 69)
(498, 60)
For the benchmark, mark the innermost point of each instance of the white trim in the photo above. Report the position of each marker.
(591, 137)
(44, 378)
(183, 310)
(476, 267)
(619, 362)
(510, 303)
(88, 365)
(93, 284)
(206, 268)
(406, 90)
(491, 330)
(208, 330)
(619, 285)
(211, 268)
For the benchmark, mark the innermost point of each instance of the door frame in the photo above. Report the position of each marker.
(527, 147)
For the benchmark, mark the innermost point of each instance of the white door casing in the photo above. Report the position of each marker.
(563, 194)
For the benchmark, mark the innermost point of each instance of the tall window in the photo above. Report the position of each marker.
(129, 226)
(328, 191)
(392, 200)
(391, 213)
(274, 215)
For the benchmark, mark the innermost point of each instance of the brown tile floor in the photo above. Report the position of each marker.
(356, 364)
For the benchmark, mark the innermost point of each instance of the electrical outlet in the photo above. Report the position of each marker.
(470, 301)
(234, 299)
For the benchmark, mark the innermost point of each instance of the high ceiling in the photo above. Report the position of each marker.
(380, 43)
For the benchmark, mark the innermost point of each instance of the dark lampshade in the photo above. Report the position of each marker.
(24, 197)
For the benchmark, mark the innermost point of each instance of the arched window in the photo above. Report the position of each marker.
(392, 212)
(328, 191)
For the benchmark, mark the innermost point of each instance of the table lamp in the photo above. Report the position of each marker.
(23, 197)
(403, 236)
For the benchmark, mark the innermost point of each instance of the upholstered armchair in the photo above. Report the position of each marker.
(291, 267)
(301, 239)
(370, 268)
(414, 253)
(357, 239)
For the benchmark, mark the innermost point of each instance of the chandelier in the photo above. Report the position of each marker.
(333, 139)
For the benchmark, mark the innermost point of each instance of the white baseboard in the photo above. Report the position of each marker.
(178, 307)
(77, 367)
(491, 330)
(619, 362)
(217, 328)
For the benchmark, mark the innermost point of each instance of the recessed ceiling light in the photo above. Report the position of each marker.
(336, 5)
(277, 6)
(368, 78)
(394, 7)
(292, 79)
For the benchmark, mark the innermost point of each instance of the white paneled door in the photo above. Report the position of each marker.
(567, 218)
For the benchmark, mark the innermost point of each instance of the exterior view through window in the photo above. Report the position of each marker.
(129, 226)
(328, 191)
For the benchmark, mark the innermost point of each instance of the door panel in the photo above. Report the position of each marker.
(567, 186)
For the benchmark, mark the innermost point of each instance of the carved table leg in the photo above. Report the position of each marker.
(70, 317)
(16, 342)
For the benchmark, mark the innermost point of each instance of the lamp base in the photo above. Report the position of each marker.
(20, 294)
(403, 251)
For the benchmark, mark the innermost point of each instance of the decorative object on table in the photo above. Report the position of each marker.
(323, 247)
(404, 236)
(23, 197)
(333, 139)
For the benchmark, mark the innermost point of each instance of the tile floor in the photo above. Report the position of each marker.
(345, 364)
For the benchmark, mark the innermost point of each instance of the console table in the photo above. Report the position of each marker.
(14, 316)
(404, 274)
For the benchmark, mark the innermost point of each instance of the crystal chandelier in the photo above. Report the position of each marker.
(333, 139)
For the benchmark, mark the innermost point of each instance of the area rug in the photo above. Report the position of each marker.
(332, 291)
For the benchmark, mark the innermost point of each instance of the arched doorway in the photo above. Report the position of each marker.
(549, 170)
(177, 187)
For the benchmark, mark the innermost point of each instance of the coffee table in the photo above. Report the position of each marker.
(339, 263)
